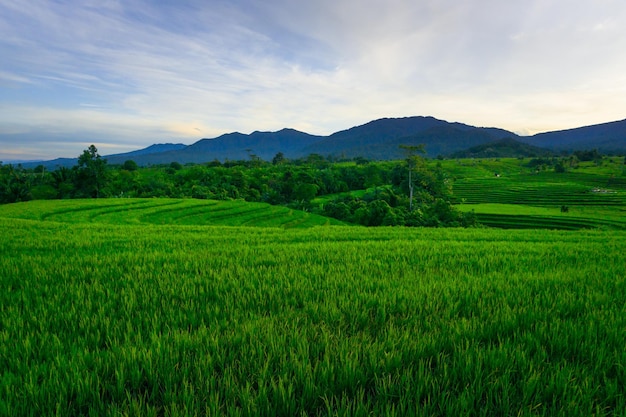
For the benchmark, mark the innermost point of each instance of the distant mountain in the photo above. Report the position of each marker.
(53, 164)
(605, 137)
(234, 146)
(373, 133)
(265, 145)
(111, 159)
(150, 150)
(503, 148)
(378, 139)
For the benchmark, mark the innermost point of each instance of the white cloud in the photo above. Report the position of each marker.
(176, 71)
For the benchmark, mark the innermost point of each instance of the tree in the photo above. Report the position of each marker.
(64, 180)
(91, 172)
(278, 159)
(305, 192)
(414, 159)
(14, 185)
(130, 165)
(559, 167)
(255, 160)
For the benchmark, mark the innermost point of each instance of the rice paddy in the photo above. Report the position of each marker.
(173, 307)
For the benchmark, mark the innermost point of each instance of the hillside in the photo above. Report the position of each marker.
(377, 140)
(265, 145)
(235, 146)
(380, 139)
(503, 148)
(164, 211)
(605, 137)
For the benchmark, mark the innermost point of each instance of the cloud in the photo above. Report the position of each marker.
(152, 71)
(8, 77)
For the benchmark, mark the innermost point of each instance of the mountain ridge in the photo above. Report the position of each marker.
(377, 139)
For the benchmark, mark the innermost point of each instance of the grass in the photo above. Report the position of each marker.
(519, 197)
(170, 320)
(523, 216)
(169, 307)
(164, 211)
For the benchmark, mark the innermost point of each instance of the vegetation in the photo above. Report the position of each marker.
(588, 187)
(522, 193)
(235, 302)
(293, 184)
(163, 211)
(503, 148)
(107, 319)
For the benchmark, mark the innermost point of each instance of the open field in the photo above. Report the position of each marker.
(167, 320)
(519, 216)
(595, 196)
(172, 307)
(164, 211)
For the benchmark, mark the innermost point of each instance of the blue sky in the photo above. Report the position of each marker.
(126, 74)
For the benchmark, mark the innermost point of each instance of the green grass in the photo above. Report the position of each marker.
(164, 211)
(146, 319)
(512, 216)
(170, 307)
(523, 198)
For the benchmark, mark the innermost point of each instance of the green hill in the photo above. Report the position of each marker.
(164, 211)
(503, 148)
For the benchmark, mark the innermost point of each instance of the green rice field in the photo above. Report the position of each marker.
(518, 198)
(176, 307)
(165, 211)
(179, 308)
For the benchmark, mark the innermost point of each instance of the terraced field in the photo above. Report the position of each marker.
(165, 211)
(159, 307)
(595, 197)
(517, 216)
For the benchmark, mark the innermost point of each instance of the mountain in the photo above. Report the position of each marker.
(265, 145)
(150, 150)
(503, 148)
(372, 133)
(234, 146)
(605, 137)
(111, 159)
(380, 139)
(53, 164)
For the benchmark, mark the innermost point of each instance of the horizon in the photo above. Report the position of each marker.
(126, 76)
(19, 161)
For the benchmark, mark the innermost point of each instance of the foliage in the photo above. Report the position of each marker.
(162, 211)
(15, 184)
(363, 192)
(91, 174)
(194, 320)
(588, 155)
(414, 162)
(503, 148)
(130, 165)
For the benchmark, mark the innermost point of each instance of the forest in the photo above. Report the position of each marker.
(392, 193)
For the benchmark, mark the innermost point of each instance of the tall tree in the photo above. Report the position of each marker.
(414, 160)
(15, 185)
(91, 172)
(278, 159)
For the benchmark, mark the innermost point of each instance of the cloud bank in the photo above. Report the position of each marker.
(124, 75)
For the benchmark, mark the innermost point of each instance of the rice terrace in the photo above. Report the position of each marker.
(227, 305)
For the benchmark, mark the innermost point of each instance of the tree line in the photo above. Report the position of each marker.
(362, 192)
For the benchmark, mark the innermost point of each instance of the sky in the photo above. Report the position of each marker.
(127, 74)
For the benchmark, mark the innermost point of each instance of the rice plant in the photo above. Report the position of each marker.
(166, 320)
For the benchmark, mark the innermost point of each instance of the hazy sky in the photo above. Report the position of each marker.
(127, 74)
